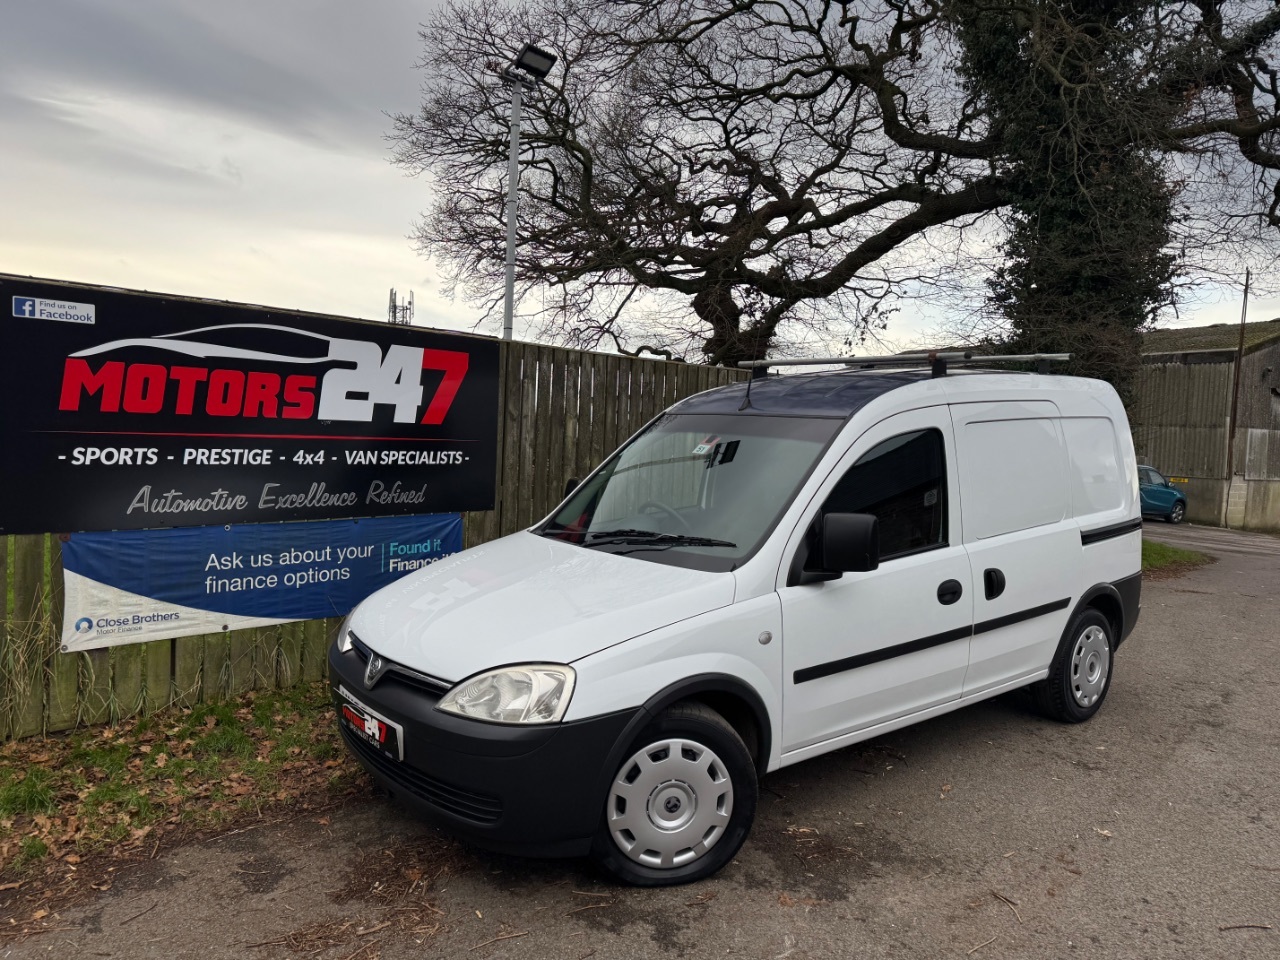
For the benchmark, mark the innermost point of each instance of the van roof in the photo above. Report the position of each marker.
(835, 393)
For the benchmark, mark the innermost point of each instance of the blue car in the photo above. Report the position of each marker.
(1159, 497)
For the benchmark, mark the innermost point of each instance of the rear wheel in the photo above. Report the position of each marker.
(682, 801)
(1178, 512)
(1080, 675)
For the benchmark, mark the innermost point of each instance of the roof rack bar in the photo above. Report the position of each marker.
(802, 362)
(938, 360)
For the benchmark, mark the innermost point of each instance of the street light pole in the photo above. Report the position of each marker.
(513, 183)
(530, 66)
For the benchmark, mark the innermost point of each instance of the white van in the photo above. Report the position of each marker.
(766, 572)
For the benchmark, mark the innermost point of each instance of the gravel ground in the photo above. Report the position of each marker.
(1152, 831)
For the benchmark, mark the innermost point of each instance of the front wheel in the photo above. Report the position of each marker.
(681, 803)
(1080, 674)
(1178, 512)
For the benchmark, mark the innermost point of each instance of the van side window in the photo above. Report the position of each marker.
(903, 482)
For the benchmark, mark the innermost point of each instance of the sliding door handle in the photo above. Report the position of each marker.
(993, 582)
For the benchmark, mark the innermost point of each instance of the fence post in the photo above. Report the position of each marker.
(28, 635)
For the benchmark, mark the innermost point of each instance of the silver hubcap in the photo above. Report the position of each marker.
(1177, 512)
(670, 803)
(1090, 663)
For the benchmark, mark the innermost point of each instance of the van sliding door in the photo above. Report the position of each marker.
(1024, 548)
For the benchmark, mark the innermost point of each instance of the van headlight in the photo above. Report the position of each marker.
(344, 635)
(531, 693)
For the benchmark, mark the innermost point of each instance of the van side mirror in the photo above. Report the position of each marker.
(570, 485)
(850, 542)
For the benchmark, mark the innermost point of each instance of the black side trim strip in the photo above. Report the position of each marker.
(1009, 619)
(885, 653)
(1106, 533)
(924, 643)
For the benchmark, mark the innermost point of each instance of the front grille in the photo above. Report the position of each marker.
(476, 807)
(407, 676)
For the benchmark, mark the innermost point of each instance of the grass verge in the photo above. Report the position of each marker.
(117, 793)
(1162, 562)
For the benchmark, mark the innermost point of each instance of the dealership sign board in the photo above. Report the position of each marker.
(122, 410)
(134, 585)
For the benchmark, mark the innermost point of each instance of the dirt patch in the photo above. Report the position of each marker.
(79, 810)
(400, 884)
(261, 874)
(35, 903)
(1174, 571)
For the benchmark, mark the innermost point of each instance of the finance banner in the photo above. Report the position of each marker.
(122, 410)
(136, 585)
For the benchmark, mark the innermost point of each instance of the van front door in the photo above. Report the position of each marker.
(871, 647)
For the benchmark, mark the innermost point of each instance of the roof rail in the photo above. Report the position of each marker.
(938, 360)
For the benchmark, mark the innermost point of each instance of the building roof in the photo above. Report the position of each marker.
(1217, 336)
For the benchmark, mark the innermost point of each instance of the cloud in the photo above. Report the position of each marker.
(231, 150)
(305, 70)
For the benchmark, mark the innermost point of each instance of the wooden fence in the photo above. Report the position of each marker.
(561, 412)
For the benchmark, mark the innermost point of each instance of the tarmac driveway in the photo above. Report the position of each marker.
(1152, 831)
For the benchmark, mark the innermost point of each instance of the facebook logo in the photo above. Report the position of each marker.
(39, 309)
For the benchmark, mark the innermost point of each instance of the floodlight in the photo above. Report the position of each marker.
(535, 60)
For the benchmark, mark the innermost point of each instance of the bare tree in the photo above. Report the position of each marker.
(749, 162)
(716, 175)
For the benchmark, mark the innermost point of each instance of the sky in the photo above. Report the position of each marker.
(232, 150)
(235, 150)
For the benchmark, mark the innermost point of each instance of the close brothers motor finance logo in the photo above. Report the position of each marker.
(84, 625)
(202, 388)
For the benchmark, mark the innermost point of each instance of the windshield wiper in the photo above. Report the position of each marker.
(649, 537)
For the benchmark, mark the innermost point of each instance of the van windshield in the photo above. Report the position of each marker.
(694, 490)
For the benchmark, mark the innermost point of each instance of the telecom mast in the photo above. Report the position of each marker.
(400, 312)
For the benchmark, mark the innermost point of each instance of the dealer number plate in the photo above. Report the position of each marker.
(373, 728)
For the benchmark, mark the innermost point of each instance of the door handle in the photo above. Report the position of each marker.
(949, 591)
(993, 581)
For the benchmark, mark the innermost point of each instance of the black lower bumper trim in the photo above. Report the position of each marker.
(1130, 590)
(477, 807)
(529, 789)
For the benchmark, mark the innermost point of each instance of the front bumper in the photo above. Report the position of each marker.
(533, 790)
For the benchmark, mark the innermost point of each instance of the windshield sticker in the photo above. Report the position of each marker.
(706, 446)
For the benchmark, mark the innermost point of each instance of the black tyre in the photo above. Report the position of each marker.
(681, 803)
(1178, 512)
(1080, 674)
